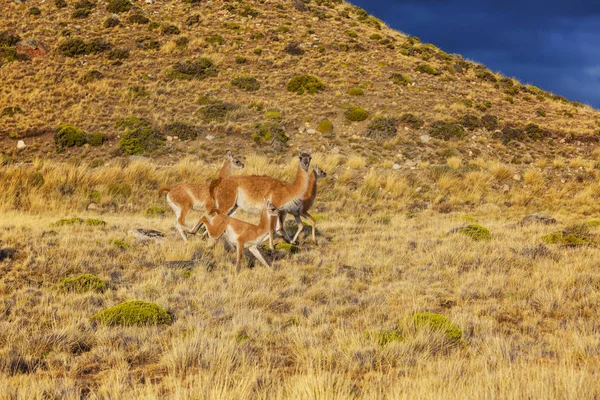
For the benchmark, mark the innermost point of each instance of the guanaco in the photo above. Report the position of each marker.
(248, 192)
(184, 197)
(242, 234)
(306, 203)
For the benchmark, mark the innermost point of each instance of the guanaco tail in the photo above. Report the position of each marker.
(242, 234)
(306, 203)
(184, 197)
(248, 192)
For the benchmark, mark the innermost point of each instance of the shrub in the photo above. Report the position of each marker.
(470, 121)
(154, 211)
(249, 12)
(355, 91)
(446, 130)
(182, 130)
(489, 122)
(325, 127)
(272, 114)
(69, 136)
(269, 132)
(385, 337)
(133, 313)
(382, 128)
(118, 54)
(121, 190)
(97, 45)
(81, 13)
(567, 239)
(216, 111)
(475, 232)
(534, 132)
(356, 114)
(95, 139)
(401, 79)
(120, 244)
(147, 43)
(193, 19)
(10, 111)
(294, 49)
(139, 19)
(283, 29)
(170, 30)
(72, 47)
(240, 60)
(305, 84)
(111, 22)
(414, 121)
(197, 68)
(118, 6)
(92, 76)
(68, 222)
(485, 74)
(509, 134)
(287, 247)
(34, 11)
(214, 40)
(139, 137)
(60, 3)
(427, 69)
(182, 41)
(438, 322)
(246, 83)
(8, 39)
(81, 284)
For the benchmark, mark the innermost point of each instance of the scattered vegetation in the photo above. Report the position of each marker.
(69, 136)
(489, 122)
(470, 121)
(305, 84)
(111, 22)
(197, 68)
(216, 40)
(427, 69)
(246, 83)
(382, 128)
(139, 19)
(267, 133)
(412, 120)
(325, 127)
(446, 130)
(214, 110)
(475, 232)
(133, 313)
(356, 91)
(154, 211)
(356, 114)
(182, 130)
(77, 47)
(437, 322)
(401, 79)
(118, 6)
(81, 284)
(139, 136)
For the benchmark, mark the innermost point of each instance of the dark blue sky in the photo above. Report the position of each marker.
(554, 45)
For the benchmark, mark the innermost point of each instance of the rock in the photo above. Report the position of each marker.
(7, 253)
(396, 166)
(537, 219)
(410, 163)
(311, 131)
(92, 207)
(144, 235)
(169, 138)
(21, 144)
(149, 1)
(424, 138)
(210, 137)
(517, 177)
(32, 47)
(505, 189)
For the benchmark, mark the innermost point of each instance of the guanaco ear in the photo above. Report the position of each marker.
(229, 155)
(309, 152)
(299, 152)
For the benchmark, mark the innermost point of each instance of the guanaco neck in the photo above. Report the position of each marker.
(226, 169)
(299, 186)
(311, 192)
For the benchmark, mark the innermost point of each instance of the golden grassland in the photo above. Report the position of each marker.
(330, 321)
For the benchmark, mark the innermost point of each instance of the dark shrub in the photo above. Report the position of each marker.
(401, 79)
(8, 39)
(249, 12)
(216, 111)
(193, 19)
(489, 122)
(246, 83)
(118, 6)
(382, 128)
(356, 91)
(10, 111)
(140, 19)
(69, 136)
(534, 132)
(60, 3)
(34, 11)
(216, 40)
(485, 74)
(81, 13)
(414, 121)
(294, 49)
(446, 130)
(139, 136)
(182, 130)
(97, 45)
(81, 284)
(171, 30)
(269, 132)
(509, 134)
(111, 22)
(72, 47)
(241, 60)
(198, 68)
(95, 139)
(427, 69)
(118, 54)
(182, 41)
(470, 121)
(148, 43)
(91, 76)
(305, 84)
(356, 114)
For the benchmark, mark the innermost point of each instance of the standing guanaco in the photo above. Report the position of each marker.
(184, 197)
(306, 203)
(248, 192)
(242, 234)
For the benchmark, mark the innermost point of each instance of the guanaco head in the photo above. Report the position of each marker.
(235, 162)
(305, 158)
(319, 173)
(272, 211)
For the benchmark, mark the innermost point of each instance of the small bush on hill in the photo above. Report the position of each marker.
(92, 76)
(81, 284)
(147, 43)
(139, 136)
(139, 19)
(414, 121)
(192, 20)
(118, 54)
(401, 79)
(215, 110)
(34, 11)
(382, 128)
(241, 60)
(246, 83)
(154, 211)
(294, 49)
(534, 132)
(197, 68)
(356, 114)
(355, 91)
(446, 130)
(475, 232)
(95, 139)
(72, 47)
(69, 136)
(60, 3)
(118, 6)
(267, 133)
(133, 313)
(249, 12)
(438, 322)
(427, 69)
(182, 130)
(489, 122)
(485, 74)
(305, 84)
(509, 134)
(325, 127)
(81, 13)
(10, 111)
(111, 22)
(216, 40)
(170, 30)
(470, 121)
(273, 114)
(8, 39)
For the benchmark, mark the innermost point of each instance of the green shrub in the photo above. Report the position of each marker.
(305, 84)
(438, 322)
(489, 122)
(214, 40)
(356, 114)
(273, 114)
(148, 43)
(325, 127)
(139, 136)
(72, 47)
(68, 222)
(376, 37)
(111, 22)
(139, 19)
(385, 337)
(287, 247)
(567, 239)
(197, 68)
(133, 313)
(485, 74)
(401, 79)
(34, 11)
(81, 13)
(8, 39)
(470, 121)
(427, 69)
(120, 244)
(382, 128)
(118, 54)
(483, 106)
(60, 4)
(69, 136)
(10, 54)
(249, 12)
(95, 139)
(118, 6)
(97, 45)
(192, 20)
(81, 284)
(509, 134)
(182, 130)
(92, 76)
(246, 83)
(283, 29)
(94, 222)
(154, 211)
(356, 91)
(10, 111)
(170, 30)
(475, 232)
(241, 60)
(534, 132)
(121, 190)
(216, 111)
(352, 33)
(182, 41)
(266, 133)
(446, 130)
(414, 121)
(294, 49)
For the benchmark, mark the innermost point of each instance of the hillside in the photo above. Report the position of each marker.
(426, 281)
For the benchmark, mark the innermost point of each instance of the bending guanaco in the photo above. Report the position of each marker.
(248, 192)
(242, 234)
(306, 203)
(184, 197)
